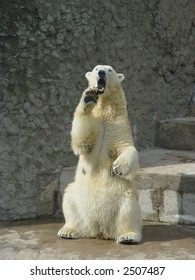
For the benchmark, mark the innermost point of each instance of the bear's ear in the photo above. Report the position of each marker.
(88, 75)
(121, 77)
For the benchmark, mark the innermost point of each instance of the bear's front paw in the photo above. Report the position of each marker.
(91, 96)
(120, 168)
(126, 165)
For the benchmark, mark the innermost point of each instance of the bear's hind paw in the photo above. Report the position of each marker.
(129, 238)
(67, 233)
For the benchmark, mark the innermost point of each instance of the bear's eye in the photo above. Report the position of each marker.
(96, 69)
(110, 70)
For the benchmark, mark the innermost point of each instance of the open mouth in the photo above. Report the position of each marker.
(101, 83)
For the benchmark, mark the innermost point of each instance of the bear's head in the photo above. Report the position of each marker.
(105, 78)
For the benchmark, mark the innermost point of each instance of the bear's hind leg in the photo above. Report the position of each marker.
(72, 227)
(129, 222)
(79, 223)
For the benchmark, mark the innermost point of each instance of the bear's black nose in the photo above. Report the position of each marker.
(102, 74)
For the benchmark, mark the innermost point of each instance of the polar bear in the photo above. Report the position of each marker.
(102, 201)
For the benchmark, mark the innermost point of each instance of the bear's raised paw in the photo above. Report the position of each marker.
(91, 95)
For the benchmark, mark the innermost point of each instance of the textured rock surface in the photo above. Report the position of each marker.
(45, 49)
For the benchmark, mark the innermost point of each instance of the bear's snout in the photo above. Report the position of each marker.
(101, 80)
(102, 74)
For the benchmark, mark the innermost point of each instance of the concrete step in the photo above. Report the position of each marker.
(176, 133)
(165, 182)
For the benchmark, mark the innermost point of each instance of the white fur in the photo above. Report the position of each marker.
(102, 201)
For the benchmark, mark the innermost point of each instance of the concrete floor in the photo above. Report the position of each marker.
(37, 239)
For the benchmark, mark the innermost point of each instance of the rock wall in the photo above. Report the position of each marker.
(45, 49)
